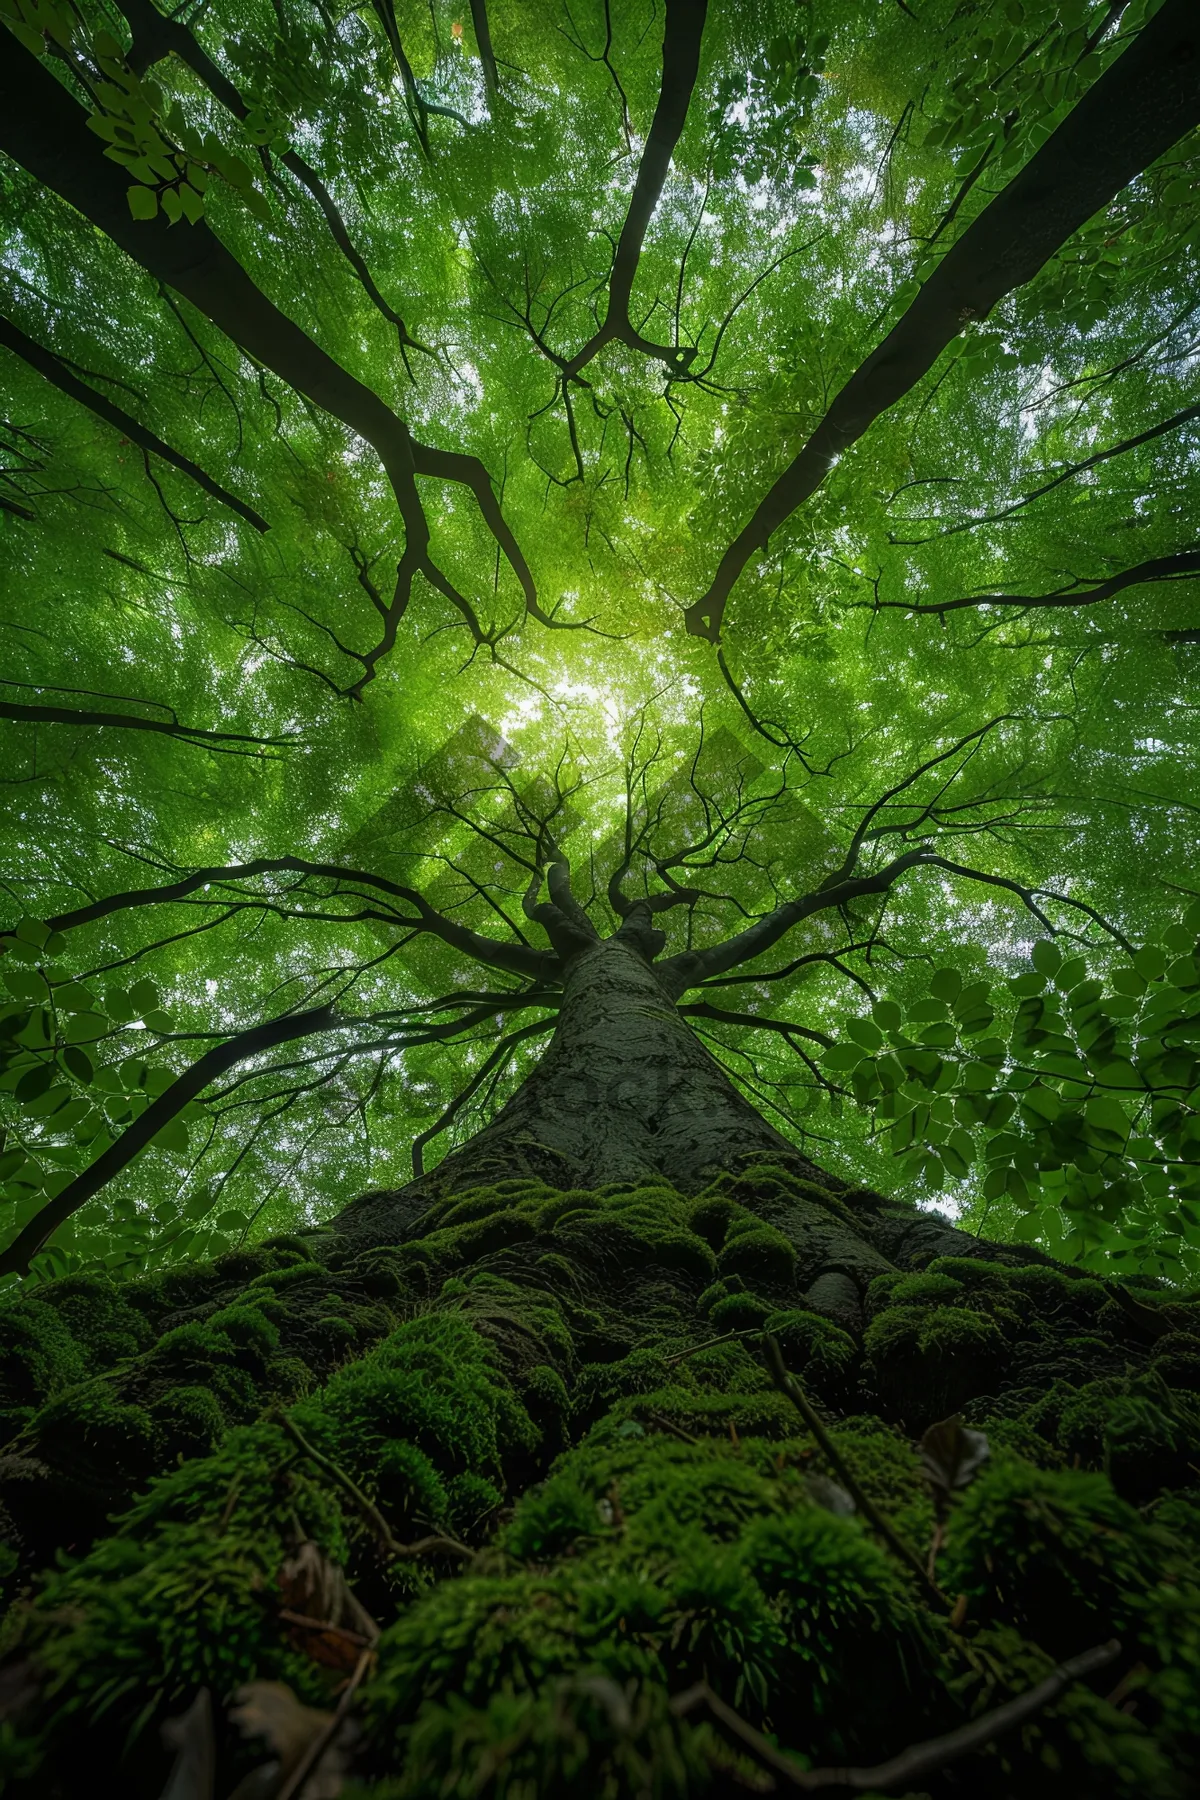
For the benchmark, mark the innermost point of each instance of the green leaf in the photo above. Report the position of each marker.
(34, 1083)
(1042, 1102)
(143, 998)
(1046, 957)
(78, 1063)
(172, 1136)
(72, 996)
(946, 984)
(143, 201)
(85, 1028)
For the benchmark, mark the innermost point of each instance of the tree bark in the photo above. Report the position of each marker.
(626, 1091)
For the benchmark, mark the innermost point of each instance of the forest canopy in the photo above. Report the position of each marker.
(744, 455)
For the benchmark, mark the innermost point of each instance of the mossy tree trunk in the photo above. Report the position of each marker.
(518, 1412)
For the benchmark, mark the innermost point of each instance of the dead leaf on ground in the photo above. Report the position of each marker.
(325, 1620)
(952, 1455)
(191, 1735)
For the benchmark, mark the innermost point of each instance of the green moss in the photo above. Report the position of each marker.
(1058, 1552)
(758, 1253)
(820, 1352)
(38, 1355)
(599, 1384)
(588, 1738)
(678, 1539)
(879, 1293)
(433, 1384)
(1177, 1359)
(927, 1289)
(927, 1362)
(711, 1219)
(848, 1619)
(552, 1519)
(739, 1312)
(1143, 1436)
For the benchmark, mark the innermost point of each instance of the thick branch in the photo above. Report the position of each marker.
(64, 715)
(518, 959)
(44, 129)
(1184, 566)
(483, 43)
(1142, 105)
(155, 36)
(252, 1042)
(704, 1009)
(56, 372)
(679, 973)
(681, 61)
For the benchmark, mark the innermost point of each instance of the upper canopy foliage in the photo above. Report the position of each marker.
(398, 405)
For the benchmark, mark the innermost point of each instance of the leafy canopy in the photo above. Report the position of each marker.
(742, 451)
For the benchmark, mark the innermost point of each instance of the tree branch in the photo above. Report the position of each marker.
(1183, 566)
(691, 967)
(191, 734)
(911, 1765)
(1142, 105)
(45, 130)
(1174, 423)
(681, 61)
(156, 36)
(483, 43)
(56, 372)
(519, 959)
(251, 1042)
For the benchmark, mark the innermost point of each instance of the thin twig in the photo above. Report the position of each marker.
(669, 1425)
(303, 1622)
(789, 1386)
(918, 1760)
(370, 1512)
(709, 1344)
(317, 1748)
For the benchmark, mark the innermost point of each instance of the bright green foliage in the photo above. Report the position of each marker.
(1079, 1102)
(919, 661)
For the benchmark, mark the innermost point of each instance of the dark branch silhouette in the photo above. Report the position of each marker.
(1142, 105)
(681, 60)
(57, 373)
(45, 130)
(156, 36)
(188, 734)
(1183, 566)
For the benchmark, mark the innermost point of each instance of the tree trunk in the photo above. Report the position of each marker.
(625, 1092)
(519, 1412)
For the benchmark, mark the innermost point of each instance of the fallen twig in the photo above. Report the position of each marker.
(316, 1750)
(711, 1344)
(787, 1384)
(919, 1759)
(670, 1425)
(423, 1547)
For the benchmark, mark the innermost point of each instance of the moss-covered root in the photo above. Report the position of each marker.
(569, 1385)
